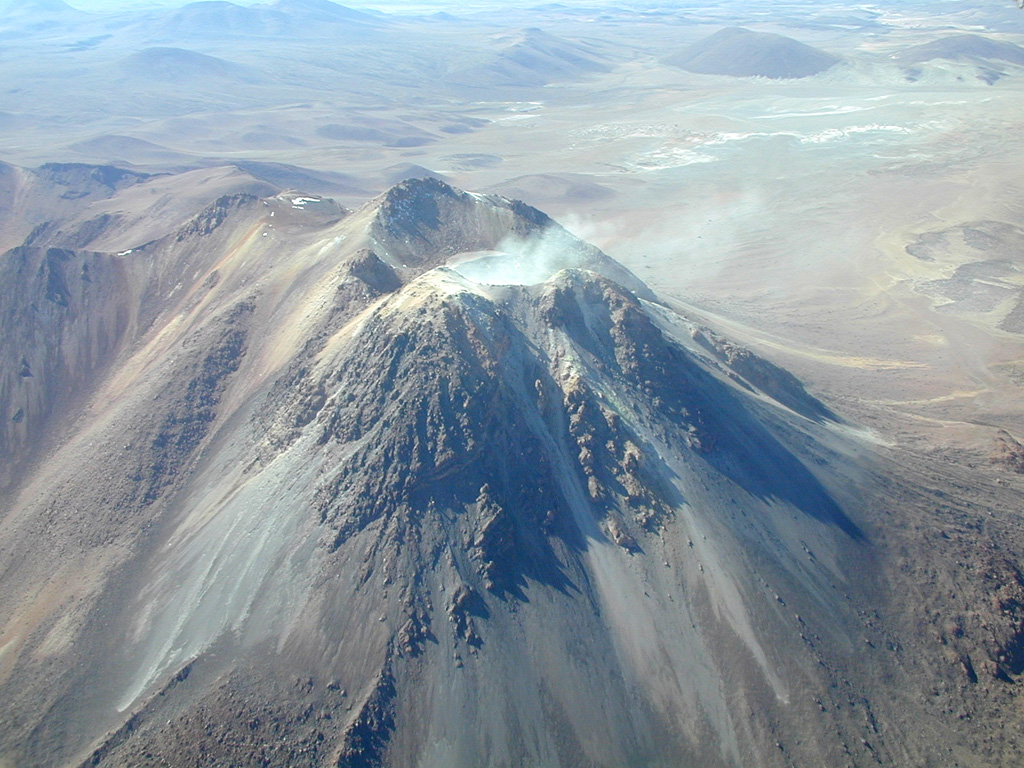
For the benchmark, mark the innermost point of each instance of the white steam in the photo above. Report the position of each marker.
(523, 261)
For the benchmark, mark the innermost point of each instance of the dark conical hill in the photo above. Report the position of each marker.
(963, 47)
(739, 52)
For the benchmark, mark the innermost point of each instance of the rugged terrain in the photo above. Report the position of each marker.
(296, 463)
(288, 484)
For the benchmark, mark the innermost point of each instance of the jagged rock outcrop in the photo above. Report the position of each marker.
(1008, 452)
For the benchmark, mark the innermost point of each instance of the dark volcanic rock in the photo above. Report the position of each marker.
(739, 52)
(185, 423)
(1008, 452)
(64, 315)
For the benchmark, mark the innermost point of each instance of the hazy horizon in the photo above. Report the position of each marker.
(406, 6)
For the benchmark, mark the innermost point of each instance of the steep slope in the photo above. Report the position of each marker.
(339, 492)
(28, 197)
(424, 223)
(78, 295)
(739, 52)
(74, 205)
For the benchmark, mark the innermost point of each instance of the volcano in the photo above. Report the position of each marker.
(739, 52)
(432, 482)
(963, 47)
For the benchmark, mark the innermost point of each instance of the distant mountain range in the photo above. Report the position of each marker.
(533, 57)
(37, 7)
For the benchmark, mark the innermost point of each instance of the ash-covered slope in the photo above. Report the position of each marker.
(335, 494)
(30, 197)
(739, 52)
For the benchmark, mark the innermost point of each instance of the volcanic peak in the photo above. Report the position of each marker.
(424, 223)
(963, 47)
(37, 8)
(740, 52)
(400, 473)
